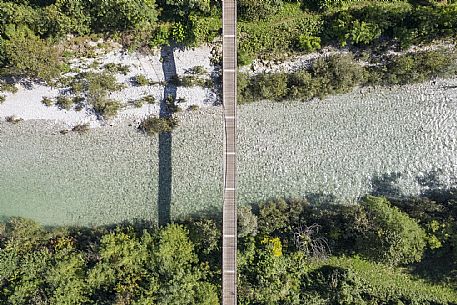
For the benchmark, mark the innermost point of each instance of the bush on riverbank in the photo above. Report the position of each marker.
(342, 73)
(154, 125)
(143, 264)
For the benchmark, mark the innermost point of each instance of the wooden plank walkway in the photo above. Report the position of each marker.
(229, 231)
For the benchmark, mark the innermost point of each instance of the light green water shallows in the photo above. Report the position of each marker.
(333, 147)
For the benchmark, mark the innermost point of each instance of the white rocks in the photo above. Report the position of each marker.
(26, 103)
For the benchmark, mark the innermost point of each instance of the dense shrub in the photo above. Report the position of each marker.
(64, 102)
(140, 80)
(28, 55)
(96, 87)
(330, 75)
(123, 14)
(105, 107)
(277, 34)
(336, 74)
(341, 73)
(64, 17)
(154, 125)
(418, 67)
(204, 29)
(247, 222)
(184, 7)
(271, 86)
(18, 15)
(355, 281)
(391, 236)
(308, 43)
(257, 9)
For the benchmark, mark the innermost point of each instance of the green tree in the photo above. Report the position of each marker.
(390, 236)
(64, 17)
(28, 55)
(247, 222)
(182, 282)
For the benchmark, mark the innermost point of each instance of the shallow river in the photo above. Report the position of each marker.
(397, 141)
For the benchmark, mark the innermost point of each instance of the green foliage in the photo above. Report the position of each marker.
(47, 101)
(8, 87)
(64, 102)
(67, 276)
(203, 29)
(153, 125)
(24, 235)
(96, 87)
(332, 75)
(178, 32)
(390, 236)
(123, 14)
(197, 70)
(418, 67)
(336, 74)
(149, 99)
(355, 281)
(258, 9)
(161, 35)
(65, 17)
(107, 108)
(266, 278)
(323, 4)
(397, 21)
(175, 249)
(180, 263)
(206, 236)
(273, 244)
(308, 43)
(18, 15)
(120, 266)
(277, 34)
(279, 216)
(185, 7)
(341, 73)
(247, 222)
(28, 55)
(117, 68)
(192, 81)
(141, 80)
(271, 86)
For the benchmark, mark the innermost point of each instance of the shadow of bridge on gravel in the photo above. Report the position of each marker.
(165, 138)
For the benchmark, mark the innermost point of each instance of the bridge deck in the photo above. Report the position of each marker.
(229, 231)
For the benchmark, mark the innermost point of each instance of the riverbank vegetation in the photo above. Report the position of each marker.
(341, 73)
(290, 252)
(32, 31)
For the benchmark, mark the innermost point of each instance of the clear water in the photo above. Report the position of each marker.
(398, 141)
